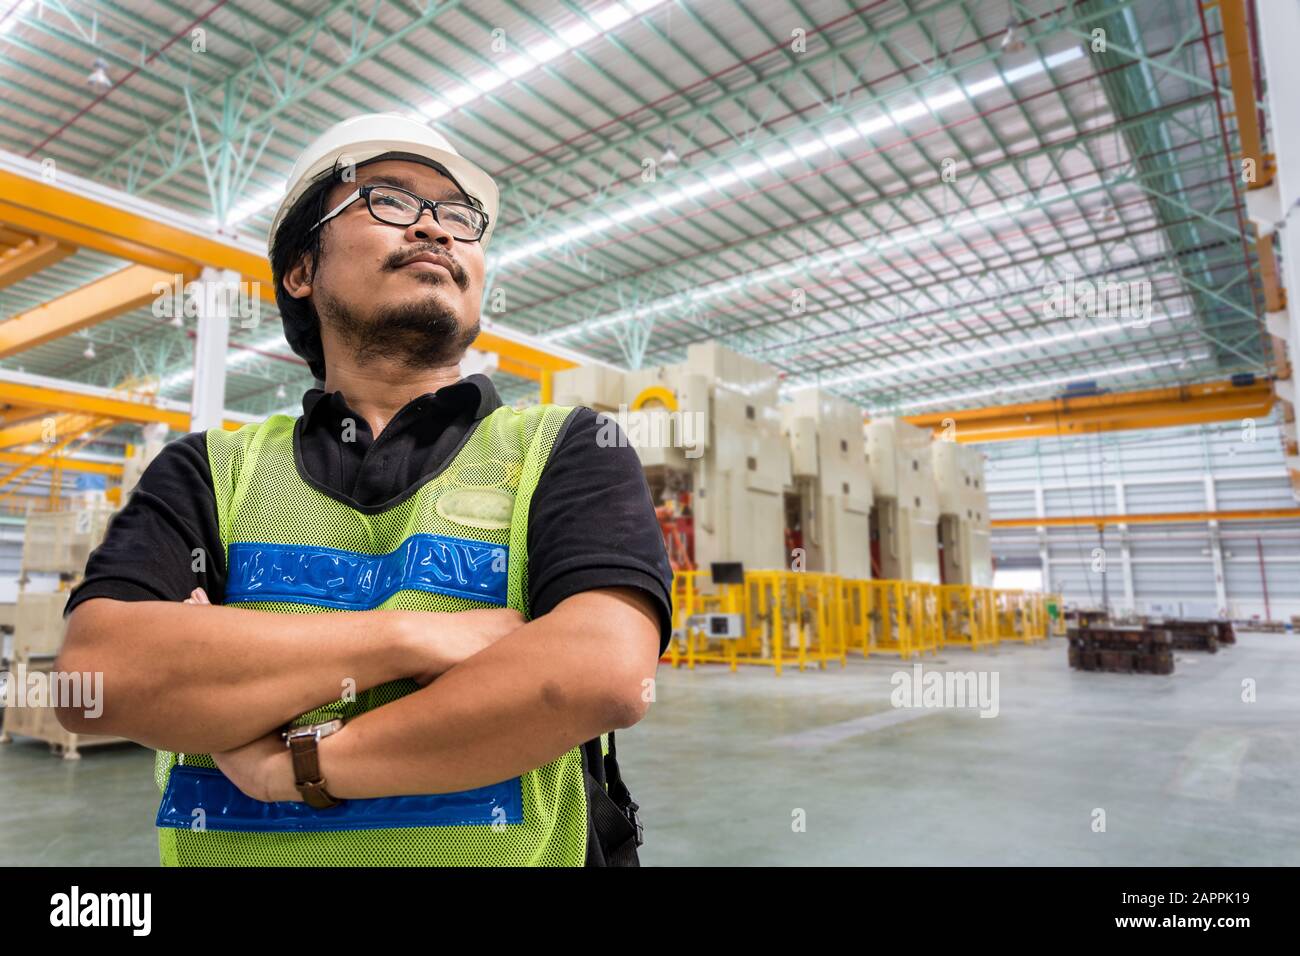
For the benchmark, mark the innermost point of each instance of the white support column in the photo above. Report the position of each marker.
(215, 291)
(1044, 557)
(1216, 547)
(1125, 555)
(1279, 30)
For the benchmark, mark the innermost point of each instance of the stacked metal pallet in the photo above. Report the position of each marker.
(1227, 632)
(1123, 649)
(1198, 635)
(1084, 617)
(1270, 627)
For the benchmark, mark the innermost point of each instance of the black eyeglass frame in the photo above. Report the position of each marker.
(433, 205)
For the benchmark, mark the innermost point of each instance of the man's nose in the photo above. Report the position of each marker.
(428, 229)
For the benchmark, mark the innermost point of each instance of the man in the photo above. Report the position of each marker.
(505, 582)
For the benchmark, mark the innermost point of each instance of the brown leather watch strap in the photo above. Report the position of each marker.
(307, 775)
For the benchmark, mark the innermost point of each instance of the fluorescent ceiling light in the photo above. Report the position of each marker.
(532, 58)
(800, 267)
(255, 203)
(240, 357)
(778, 158)
(1072, 335)
(1058, 380)
(814, 263)
(16, 14)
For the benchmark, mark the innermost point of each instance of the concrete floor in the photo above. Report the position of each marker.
(1186, 773)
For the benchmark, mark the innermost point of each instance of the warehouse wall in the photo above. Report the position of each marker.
(1191, 568)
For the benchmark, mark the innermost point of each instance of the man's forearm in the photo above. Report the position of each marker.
(201, 679)
(555, 683)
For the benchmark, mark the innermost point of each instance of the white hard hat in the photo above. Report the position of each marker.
(362, 138)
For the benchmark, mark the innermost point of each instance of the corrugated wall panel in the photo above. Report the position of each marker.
(1161, 471)
(1011, 504)
(1162, 579)
(1249, 494)
(1089, 499)
(1171, 496)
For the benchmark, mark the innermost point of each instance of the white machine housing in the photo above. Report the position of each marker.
(963, 514)
(906, 510)
(722, 441)
(829, 471)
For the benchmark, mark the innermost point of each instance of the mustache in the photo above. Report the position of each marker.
(403, 256)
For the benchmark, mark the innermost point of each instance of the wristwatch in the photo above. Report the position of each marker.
(301, 742)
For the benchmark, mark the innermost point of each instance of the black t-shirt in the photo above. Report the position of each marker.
(591, 523)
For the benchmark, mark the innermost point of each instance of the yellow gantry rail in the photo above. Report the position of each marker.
(22, 256)
(1157, 517)
(969, 616)
(1111, 411)
(72, 213)
(123, 409)
(95, 302)
(67, 464)
(803, 619)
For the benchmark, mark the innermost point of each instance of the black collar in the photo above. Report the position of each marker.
(371, 473)
(474, 394)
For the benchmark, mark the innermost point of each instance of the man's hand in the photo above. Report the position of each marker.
(197, 596)
(262, 769)
(558, 681)
(442, 640)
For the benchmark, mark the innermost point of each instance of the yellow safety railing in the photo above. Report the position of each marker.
(787, 618)
(969, 616)
(695, 594)
(857, 596)
(798, 619)
(905, 617)
(1021, 616)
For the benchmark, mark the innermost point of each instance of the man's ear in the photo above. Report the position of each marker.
(297, 281)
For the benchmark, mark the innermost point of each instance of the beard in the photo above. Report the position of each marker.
(419, 333)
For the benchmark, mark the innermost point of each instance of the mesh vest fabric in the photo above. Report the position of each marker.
(262, 498)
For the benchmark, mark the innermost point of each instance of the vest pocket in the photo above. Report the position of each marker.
(224, 806)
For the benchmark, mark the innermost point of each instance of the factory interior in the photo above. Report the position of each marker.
(953, 338)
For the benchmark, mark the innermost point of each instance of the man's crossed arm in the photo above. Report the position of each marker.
(508, 696)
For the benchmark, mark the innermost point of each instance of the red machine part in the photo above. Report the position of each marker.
(678, 528)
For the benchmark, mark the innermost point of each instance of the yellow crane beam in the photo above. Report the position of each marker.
(1241, 77)
(1111, 411)
(50, 458)
(1164, 517)
(9, 237)
(119, 409)
(95, 302)
(68, 464)
(80, 218)
(18, 413)
(46, 430)
(28, 256)
(88, 215)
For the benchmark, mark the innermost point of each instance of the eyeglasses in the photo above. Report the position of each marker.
(399, 207)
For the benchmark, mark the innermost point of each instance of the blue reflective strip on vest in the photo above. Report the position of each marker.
(350, 580)
(226, 807)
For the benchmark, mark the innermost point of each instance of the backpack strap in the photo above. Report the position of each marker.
(615, 831)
